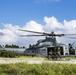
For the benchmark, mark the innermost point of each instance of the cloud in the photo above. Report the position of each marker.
(51, 23)
(11, 33)
(67, 27)
(70, 24)
(9, 36)
(32, 25)
(1, 34)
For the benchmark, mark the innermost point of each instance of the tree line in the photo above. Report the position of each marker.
(13, 46)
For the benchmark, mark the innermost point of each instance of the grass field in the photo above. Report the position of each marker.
(37, 69)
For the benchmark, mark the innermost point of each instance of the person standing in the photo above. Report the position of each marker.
(50, 54)
(58, 52)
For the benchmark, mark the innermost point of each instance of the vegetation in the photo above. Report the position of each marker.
(37, 69)
(9, 54)
(13, 46)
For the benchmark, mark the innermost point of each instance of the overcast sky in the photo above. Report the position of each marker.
(36, 15)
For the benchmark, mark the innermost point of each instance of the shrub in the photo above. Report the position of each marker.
(8, 54)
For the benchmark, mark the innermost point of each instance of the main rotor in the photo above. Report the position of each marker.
(52, 34)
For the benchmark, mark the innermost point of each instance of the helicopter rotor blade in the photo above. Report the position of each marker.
(31, 31)
(70, 37)
(68, 34)
(60, 35)
(47, 34)
(30, 35)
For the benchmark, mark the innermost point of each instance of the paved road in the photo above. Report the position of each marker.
(32, 61)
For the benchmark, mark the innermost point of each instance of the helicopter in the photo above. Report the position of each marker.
(49, 46)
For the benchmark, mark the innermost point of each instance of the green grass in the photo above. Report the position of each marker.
(69, 58)
(66, 58)
(25, 56)
(9, 54)
(37, 69)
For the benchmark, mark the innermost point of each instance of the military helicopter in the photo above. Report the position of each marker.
(49, 45)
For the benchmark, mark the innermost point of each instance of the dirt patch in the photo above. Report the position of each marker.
(32, 61)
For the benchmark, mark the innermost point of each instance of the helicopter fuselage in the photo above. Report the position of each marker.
(43, 47)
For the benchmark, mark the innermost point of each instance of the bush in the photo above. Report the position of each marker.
(8, 54)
